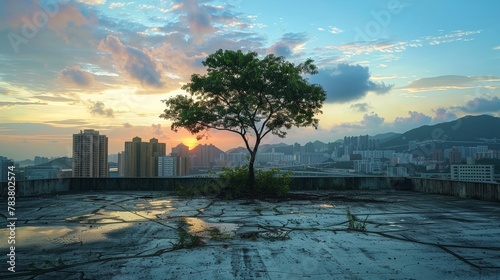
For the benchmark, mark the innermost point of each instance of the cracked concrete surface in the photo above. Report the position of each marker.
(132, 235)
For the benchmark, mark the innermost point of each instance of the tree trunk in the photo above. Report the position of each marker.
(251, 174)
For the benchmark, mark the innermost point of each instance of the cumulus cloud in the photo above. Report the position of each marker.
(157, 130)
(98, 108)
(480, 105)
(288, 44)
(127, 125)
(443, 115)
(348, 82)
(76, 76)
(197, 18)
(372, 120)
(137, 64)
(361, 107)
(415, 119)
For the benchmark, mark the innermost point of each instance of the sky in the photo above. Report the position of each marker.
(386, 65)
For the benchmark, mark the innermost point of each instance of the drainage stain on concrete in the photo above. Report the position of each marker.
(113, 235)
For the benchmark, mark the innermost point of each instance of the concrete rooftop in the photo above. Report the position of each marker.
(136, 235)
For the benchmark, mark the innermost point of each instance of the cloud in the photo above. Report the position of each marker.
(92, 2)
(54, 98)
(448, 82)
(7, 104)
(127, 125)
(360, 107)
(443, 115)
(98, 108)
(335, 30)
(76, 76)
(348, 82)
(78, 122)
(137, 64)
(457, 35)
(415, 119)
(157, 130)
(480, 105)
(197, 18)
(116, 5)
(393, 47)
(367, 47)
(288, 44)
(372, 120)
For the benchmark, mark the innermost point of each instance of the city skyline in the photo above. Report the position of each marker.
(387, 66)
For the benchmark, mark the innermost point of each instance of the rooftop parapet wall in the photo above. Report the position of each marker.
(482, 191)
(476, 190)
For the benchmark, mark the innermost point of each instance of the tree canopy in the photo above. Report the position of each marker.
(252, 97)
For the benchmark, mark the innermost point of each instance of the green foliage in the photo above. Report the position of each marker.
(187, 240)
(268, 183)
(273, 182)
(251, 97)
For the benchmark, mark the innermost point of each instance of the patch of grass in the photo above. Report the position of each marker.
(187, 240)
(354, 223)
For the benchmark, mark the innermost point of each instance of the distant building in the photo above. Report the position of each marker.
(173, 166)
(167, 166)
(121, 164)
(5, 163)
(180, 150)
(40, 160)
(41, 172)
(90, 154)
(455, 156)
(140, 159)
(474, 173)
(368, 166)
(205, 155)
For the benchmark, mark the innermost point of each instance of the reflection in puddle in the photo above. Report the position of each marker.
(49, 236)
(104, 216)
(202, 228)
(324, 205)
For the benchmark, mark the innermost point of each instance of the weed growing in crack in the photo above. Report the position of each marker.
(187, 240)
(216, 234)
(354, 222)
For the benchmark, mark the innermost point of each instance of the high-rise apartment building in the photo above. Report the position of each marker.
(455, 156)
(472, 172)
(5, 163)
(140, 159)
(90, 154)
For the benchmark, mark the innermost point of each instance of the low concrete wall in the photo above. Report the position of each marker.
(49, 186)
(482, 191)
(340, 183)
(37, 187)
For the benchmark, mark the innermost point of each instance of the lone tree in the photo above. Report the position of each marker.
(248, 96)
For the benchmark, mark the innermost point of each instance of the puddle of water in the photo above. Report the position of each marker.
(104, 216)
(199, 227)
(49, 236)
(324, 205)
